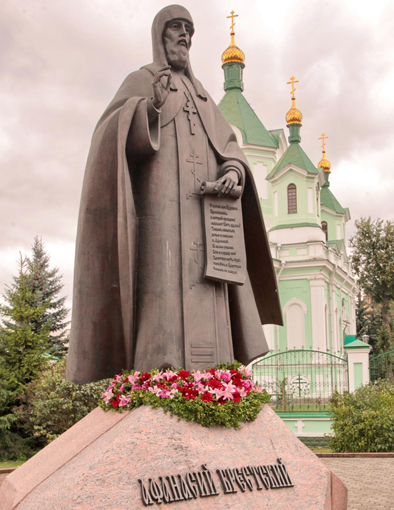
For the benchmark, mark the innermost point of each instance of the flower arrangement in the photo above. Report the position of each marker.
(224, 395)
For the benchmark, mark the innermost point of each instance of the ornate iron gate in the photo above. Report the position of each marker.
(382, 366)
(301, 380)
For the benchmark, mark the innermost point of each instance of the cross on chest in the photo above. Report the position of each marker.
(193, 160)
(191, 111)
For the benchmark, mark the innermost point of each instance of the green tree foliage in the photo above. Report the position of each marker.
(363, 421)
(46, 284)
(373, 261)
(369, 322)
(22, 350)
(51, 404)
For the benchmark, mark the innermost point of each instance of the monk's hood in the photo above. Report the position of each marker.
(159, 55)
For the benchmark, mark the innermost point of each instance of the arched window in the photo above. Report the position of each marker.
(324, 228)
(291, 199)
(295, 311)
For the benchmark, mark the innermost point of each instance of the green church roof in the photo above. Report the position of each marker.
(357, 344)
(337, 242)
(239, 113)
(328, 200)
(294, 155)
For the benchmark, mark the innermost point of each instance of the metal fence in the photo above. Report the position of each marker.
(382, 366)
(301, 380)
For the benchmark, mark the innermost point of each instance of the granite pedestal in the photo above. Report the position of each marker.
(98, 463)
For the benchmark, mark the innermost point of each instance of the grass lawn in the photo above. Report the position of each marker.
(11, 464)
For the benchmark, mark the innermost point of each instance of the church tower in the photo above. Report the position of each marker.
(295, 187)
(261, 147)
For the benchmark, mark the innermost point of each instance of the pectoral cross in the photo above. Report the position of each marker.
(194, 162)
(191, 110)
(198, 248)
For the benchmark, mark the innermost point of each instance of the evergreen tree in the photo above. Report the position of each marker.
(373, 262)
(22, 351)
(45, 283)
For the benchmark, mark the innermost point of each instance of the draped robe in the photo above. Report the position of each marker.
(140, 299)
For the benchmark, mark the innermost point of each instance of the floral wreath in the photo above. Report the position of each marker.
(224, 395)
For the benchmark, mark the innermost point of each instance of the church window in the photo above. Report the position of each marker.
(325, 229)
(295, 327)
(291, 199)
(275, 203)
(310, 200)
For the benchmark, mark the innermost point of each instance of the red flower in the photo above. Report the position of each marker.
(221, 401)
(214, 383)
(184, 374)
(145, 377)
(236, 397)
(115, 403)
(207, 397)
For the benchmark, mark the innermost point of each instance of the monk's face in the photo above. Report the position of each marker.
(177, 41)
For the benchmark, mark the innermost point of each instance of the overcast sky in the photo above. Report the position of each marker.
(61, 62)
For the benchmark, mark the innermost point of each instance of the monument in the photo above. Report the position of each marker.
(151, 288)
(173, 268)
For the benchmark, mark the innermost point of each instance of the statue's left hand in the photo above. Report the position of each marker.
(227, 183)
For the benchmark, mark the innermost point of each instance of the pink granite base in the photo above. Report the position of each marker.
(97, 463)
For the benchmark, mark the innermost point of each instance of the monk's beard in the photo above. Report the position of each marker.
(177, 55)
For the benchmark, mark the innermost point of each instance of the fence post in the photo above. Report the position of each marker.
(358, 363)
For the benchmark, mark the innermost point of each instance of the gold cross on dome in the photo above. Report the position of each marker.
(293, 89)
(323, 138)
(232, 20)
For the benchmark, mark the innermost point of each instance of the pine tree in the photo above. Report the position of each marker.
(22, 353)
(45, 283)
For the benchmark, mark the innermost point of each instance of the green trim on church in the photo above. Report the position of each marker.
(294, 225)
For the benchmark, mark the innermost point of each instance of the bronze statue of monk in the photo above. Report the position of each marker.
(140, 297)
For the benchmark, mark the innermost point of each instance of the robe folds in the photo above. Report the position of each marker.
(140, 300)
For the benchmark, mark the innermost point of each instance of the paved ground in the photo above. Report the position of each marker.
(370, 481)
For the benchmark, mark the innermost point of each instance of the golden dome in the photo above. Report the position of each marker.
(233, 53)
(324, 163)
(293, 116)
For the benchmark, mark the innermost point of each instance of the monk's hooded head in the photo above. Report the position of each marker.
(171, 44)
(172, 30)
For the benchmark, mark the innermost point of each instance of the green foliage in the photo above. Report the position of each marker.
(51, 404)
(373, 261)
(364, 420)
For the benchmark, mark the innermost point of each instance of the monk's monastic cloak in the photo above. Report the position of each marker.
(140, 299)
